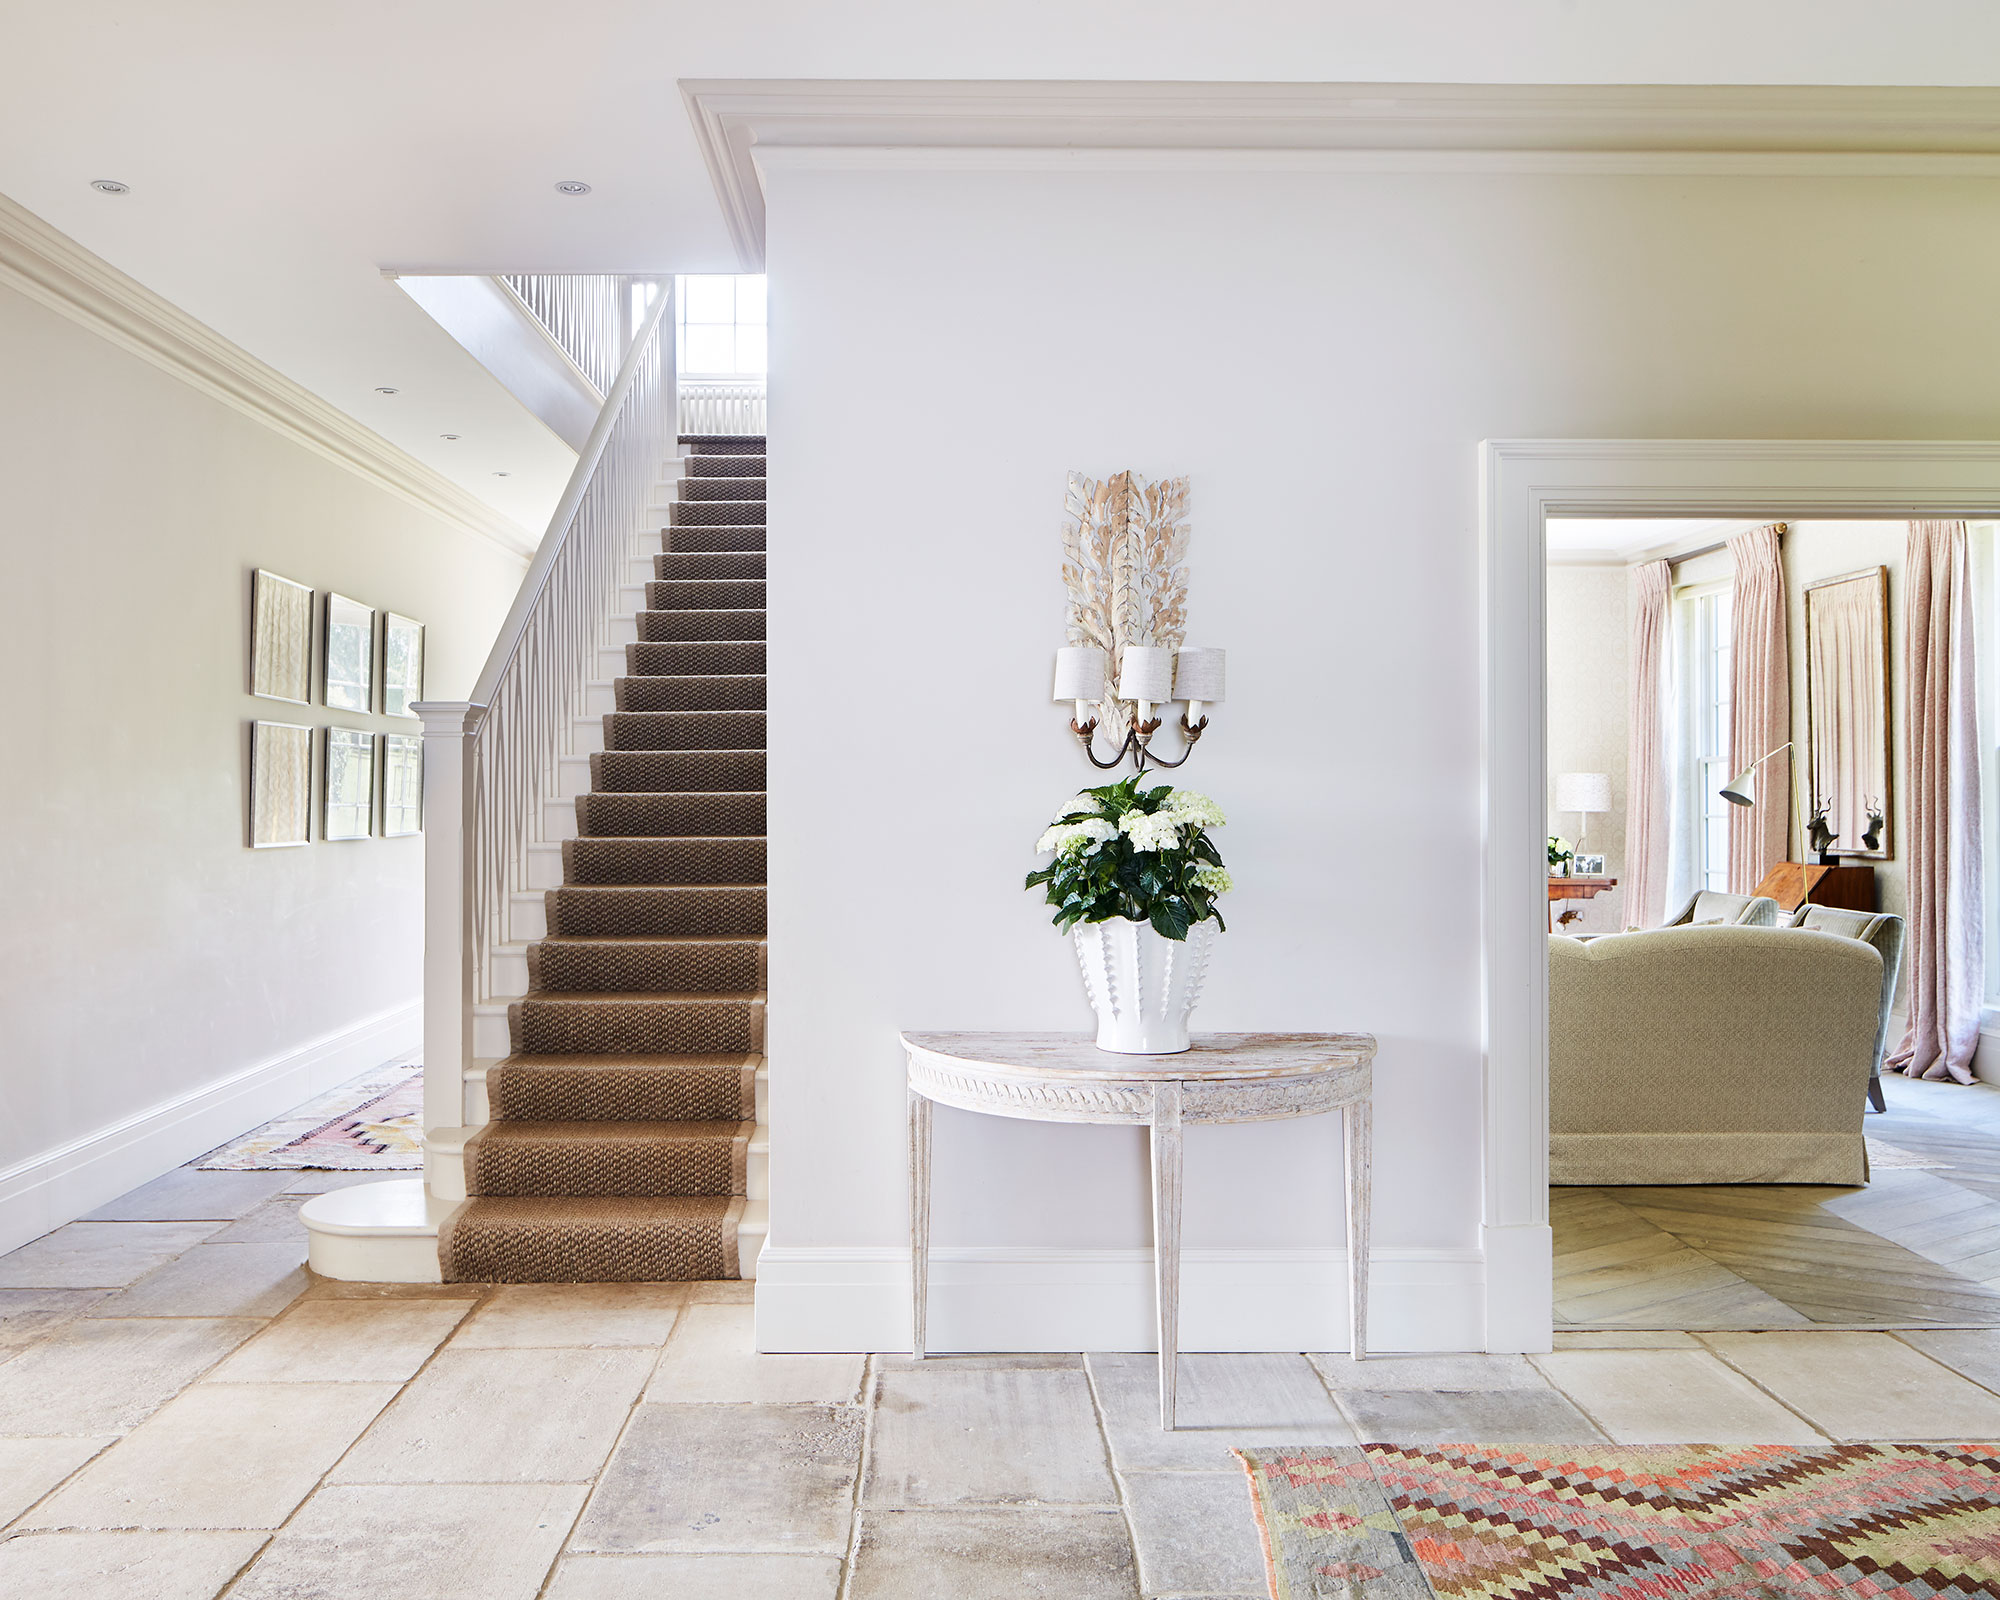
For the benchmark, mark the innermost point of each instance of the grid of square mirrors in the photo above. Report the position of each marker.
(371, 784)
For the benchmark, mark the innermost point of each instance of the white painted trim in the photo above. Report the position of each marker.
(54, 270)
(56, 1186)
(1036, 1299)
(1521, 482)
(743, 125)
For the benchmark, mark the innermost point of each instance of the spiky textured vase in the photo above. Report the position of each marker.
(1144, 987)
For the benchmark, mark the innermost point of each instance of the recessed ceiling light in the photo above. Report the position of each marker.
(572, 186)
(502, 474)
(385, 389)
(110, 186)
(447, 436)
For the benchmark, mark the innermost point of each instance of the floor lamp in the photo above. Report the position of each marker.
(1741, 790)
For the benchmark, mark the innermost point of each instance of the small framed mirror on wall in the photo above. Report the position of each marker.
(402, 785)
(402, 664)
(1847, 715)
(350, 654)
(349, 777)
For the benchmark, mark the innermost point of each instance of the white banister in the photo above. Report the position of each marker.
(721, 405)
(448, 995)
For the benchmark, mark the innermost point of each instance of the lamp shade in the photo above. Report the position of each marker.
(1741, 790)
(1081, 672)
(1146, 673)
(1583, 791)
(1199, 675)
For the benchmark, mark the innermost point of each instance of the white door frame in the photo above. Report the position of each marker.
(1521, 482)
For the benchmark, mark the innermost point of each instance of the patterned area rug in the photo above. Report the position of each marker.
(1628, 1522)
(369, 1125)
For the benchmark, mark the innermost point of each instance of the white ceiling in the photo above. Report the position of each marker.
(1591, 541)
(281, 156)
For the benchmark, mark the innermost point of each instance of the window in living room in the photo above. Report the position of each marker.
(1707, 709)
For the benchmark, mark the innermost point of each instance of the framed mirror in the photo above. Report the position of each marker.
(402, 664)
(281, 614)
(349, 804)
(402, 785)
(350, 654)
(1847, 714)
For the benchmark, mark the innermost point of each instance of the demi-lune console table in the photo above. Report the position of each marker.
(1225, 1077)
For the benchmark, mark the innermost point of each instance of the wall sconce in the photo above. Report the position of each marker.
(1150, 676)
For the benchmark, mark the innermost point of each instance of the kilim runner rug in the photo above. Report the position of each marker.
(371, 1124)
(1628, 1522)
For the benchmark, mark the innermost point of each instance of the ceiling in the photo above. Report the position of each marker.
(281, 157)
(1615, 541)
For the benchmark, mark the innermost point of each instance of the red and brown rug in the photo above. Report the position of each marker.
(371, 1124)
(1628, 1522)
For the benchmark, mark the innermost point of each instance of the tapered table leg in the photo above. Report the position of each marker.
(1167, 1236)
(920, 1219)
(1355, 1117)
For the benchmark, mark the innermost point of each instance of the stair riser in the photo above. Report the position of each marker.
(691, 566)
(665, 816)
(743, 692)
(479, 1110)
(706, 466)
(679, 540)
(683, 730)
(586, 734)
(678, 771)
(609, 1167)
(601, 699)
(552, 1026)
(478, 1249)
(697, 658)
(696, 490)
(705, 594)
(534, 1089)
(734, 967)
(720, 444)
(581, 913)
(662, 861)
(716, 514)
(678, 626)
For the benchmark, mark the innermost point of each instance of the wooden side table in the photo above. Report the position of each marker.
(1573, 889)
(1226, 1077)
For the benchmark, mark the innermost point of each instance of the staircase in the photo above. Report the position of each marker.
(624, 1140)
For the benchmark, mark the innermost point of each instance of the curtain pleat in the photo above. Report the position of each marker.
(1646, 779)
(1760, 706)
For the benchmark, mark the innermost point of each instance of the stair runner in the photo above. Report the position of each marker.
(622, 1118)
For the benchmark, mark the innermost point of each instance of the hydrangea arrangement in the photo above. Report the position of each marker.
(1128, 851)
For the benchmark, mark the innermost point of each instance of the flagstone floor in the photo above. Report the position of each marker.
(186, 1413)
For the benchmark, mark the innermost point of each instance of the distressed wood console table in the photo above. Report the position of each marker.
(1226, 1077)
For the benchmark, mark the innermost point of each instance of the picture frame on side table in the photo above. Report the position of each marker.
(402, 664)
(1590, 866)
(348, 784)
(281, 614)
(350, 654)
(280, 785)
(402, 785)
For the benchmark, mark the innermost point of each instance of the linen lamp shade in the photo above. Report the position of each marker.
(1147, 674)
(1199, 675)
(1583, 791)
(1081, 673)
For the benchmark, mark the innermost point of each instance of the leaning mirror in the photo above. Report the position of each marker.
(1847, 688)
(402, 665)
(350, 654)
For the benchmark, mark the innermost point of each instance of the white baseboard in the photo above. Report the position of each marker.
(1034, 1299)
(59, 1185)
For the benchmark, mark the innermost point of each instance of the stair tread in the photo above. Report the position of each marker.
(605, 1132)
(605, 941)
(639, 997)
(648, 1063)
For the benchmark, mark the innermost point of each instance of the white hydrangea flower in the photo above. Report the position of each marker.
(1216, 880)
(1198, 809)
(1070, 808)
(1066, 837)
(1095, 830)
(1159, 830)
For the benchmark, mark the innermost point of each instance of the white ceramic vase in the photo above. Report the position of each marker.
(1143, 987)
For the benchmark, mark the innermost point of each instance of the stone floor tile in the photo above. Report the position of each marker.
(1196, 1532)
(317, 1181)
(221, 1455)
(730, 1292)
(189, 1195)
(502, 1416)
(217, 1280)
(728, 1478)
(30, 1468)
(993, 1555)
(1975, 1352)
(947, 1435)
(1613, 1339)
(1672, 1397)
(319, 1288)
(345, 1341)
(712, 1357)
(123, 1566)
(1857, 1385)
(107, 1376)
(30, 1315)
(550, 1315)
(1038, 1360)
(1224, 1402)
(99, 1255)
(696, 1578)
(1429, 1372)
(276, 1221)
(433, 1541)
(1488, 1416)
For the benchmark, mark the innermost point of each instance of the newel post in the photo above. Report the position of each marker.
(448, 838)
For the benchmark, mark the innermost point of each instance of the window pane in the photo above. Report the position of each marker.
(750, 347)
(711, 299)
(750, 299)
(709, 349)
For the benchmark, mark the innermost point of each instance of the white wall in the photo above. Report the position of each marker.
(1590, 633)
(1386, 324)
(151, 966)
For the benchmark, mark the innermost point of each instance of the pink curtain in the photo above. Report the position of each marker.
(1646, 752)
(1760, 706)
(1946, 944)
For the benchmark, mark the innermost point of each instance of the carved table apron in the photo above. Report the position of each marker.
(1225, 1077)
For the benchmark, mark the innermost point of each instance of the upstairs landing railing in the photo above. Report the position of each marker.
(493, 762)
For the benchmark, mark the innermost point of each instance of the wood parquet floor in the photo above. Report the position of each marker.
(1915, 1248)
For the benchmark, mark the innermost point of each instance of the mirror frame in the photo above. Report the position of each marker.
(1880, 574)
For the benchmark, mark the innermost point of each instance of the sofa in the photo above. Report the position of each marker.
(1711, 1054)
(1884, 932)
(1705, 906)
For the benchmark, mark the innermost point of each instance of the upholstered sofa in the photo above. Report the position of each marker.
(1711, 1055)
(1738, 910)
(1884, 932)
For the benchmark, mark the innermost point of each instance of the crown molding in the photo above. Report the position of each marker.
(745, 125)
(54, 270)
